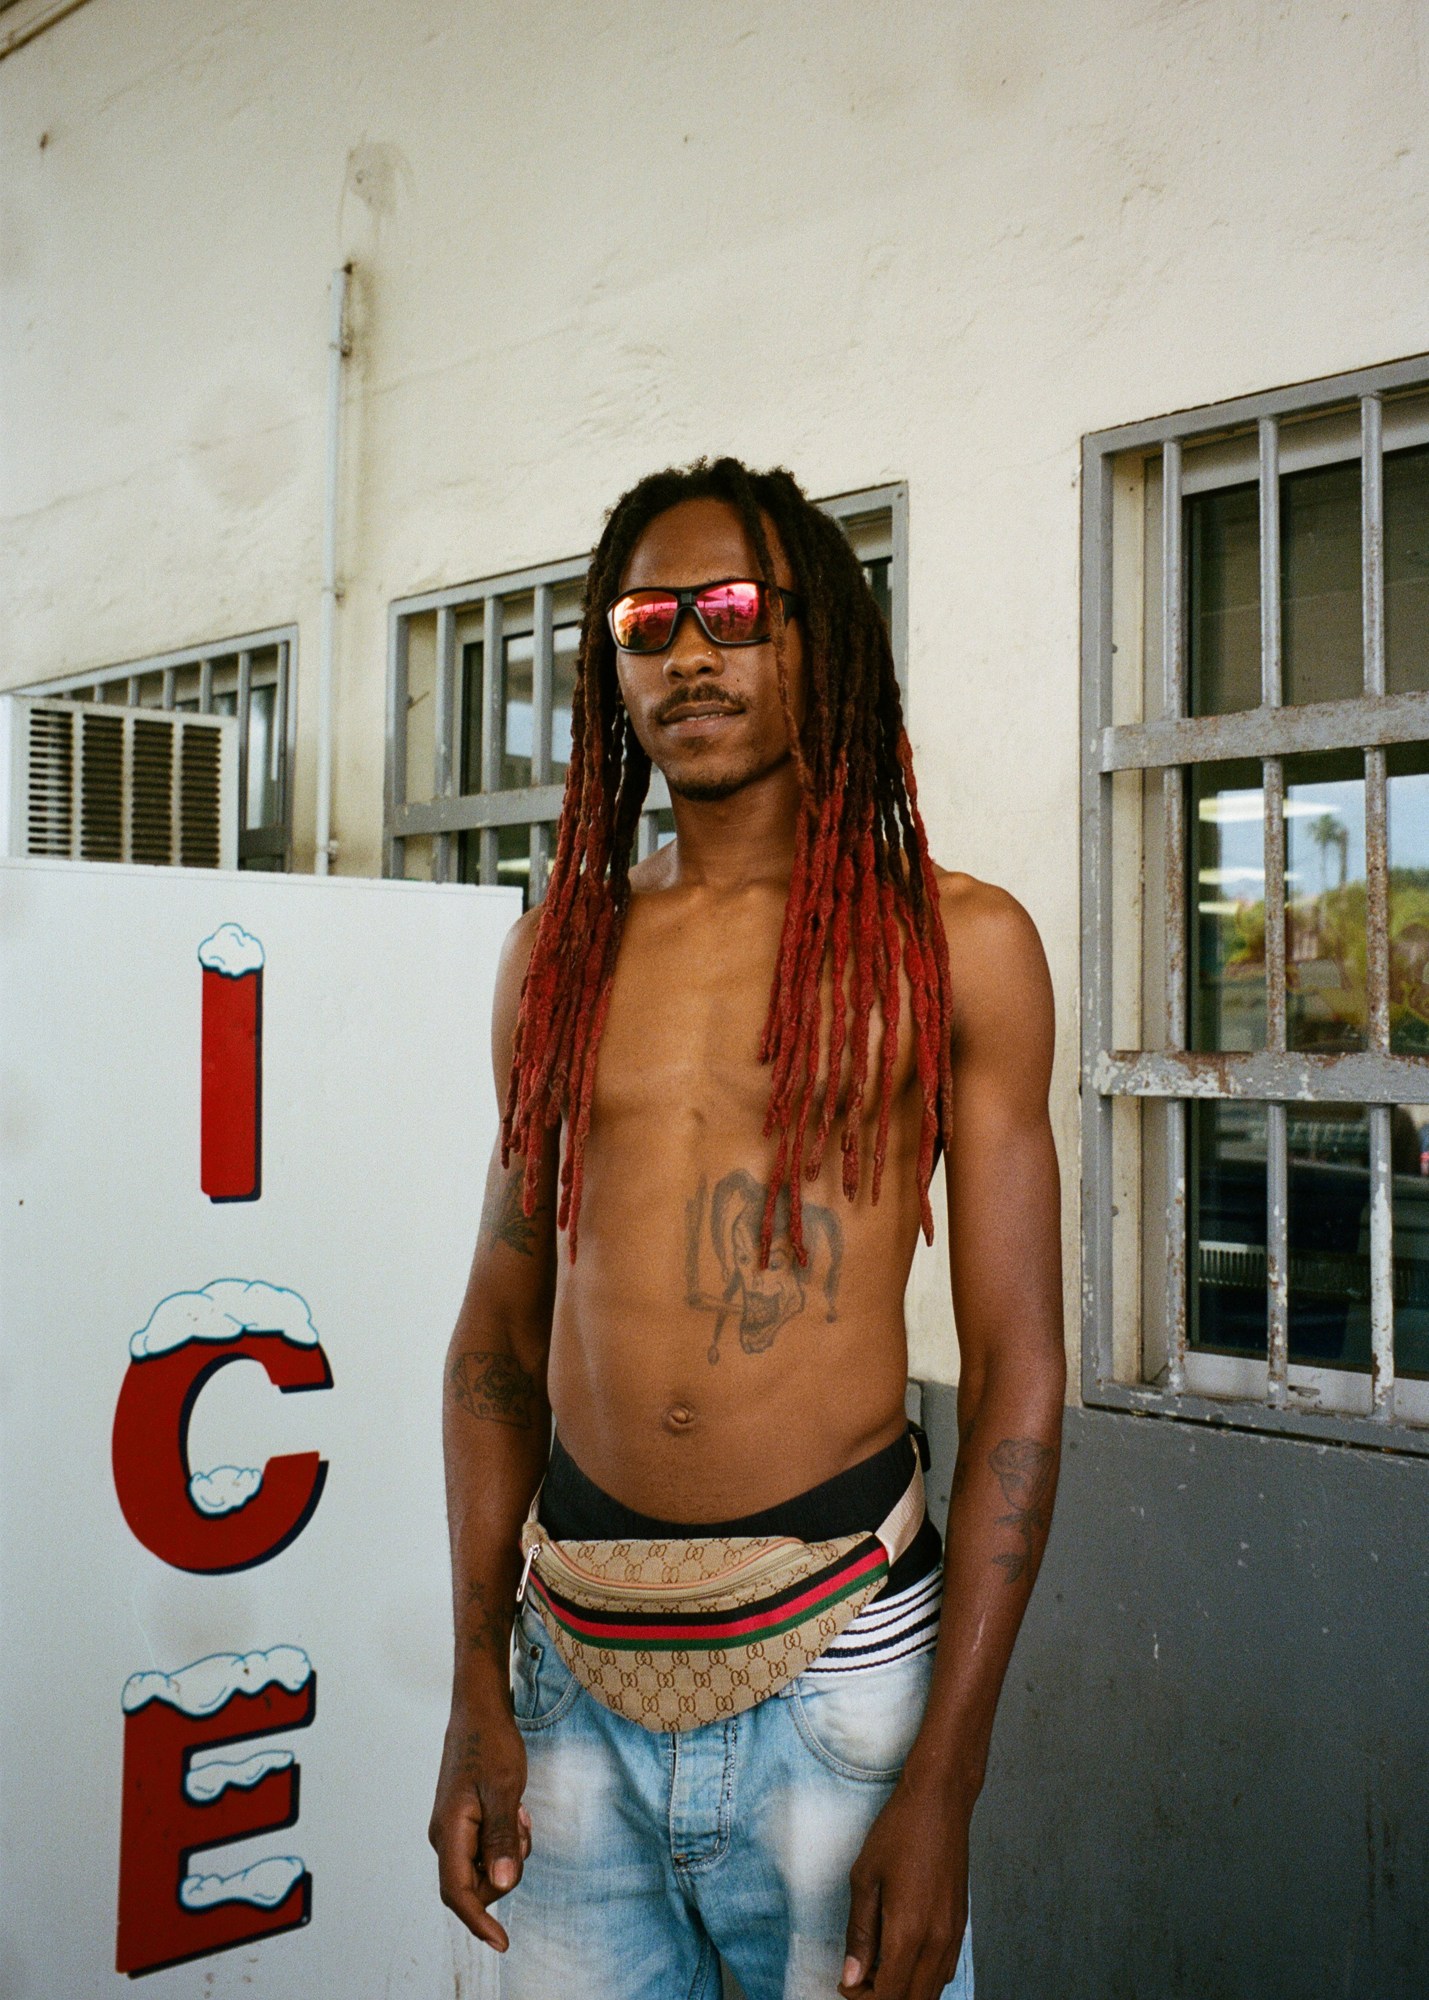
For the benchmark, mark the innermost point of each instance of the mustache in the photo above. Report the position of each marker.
(673, 704)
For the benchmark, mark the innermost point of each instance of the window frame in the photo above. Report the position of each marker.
(1261, 437)
(224, 659)
(873, 517)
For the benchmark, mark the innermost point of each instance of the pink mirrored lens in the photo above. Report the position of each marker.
(642, 622)
(733, 612)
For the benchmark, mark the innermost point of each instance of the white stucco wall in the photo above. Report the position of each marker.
(935, 243)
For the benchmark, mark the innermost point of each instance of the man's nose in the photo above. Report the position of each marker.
(691, 652)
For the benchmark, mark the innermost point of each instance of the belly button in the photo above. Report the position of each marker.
(679, 1417)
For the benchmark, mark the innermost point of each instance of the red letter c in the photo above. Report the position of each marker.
(151, 1463)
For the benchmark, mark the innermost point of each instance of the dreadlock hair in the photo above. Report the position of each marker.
(862, 895)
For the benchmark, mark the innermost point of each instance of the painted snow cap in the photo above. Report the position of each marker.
(210, 1779)
(204, 1687)
(266, 1883)
(232, 951)
(226, 1309)
(225, 1489)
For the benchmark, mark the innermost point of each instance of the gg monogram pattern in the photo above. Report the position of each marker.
(782, 1601)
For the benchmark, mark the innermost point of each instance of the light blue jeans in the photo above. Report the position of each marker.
(653, 1856)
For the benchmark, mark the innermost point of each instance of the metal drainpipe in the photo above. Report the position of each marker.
(337, 347)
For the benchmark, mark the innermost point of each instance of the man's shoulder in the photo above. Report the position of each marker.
(981, 916)
(995, 955)
(516, 955)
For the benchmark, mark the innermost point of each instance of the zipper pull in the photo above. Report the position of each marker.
(531, 1555)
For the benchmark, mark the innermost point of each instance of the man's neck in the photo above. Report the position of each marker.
(732, 843)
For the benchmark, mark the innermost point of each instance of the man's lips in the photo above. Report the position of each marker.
(698, 711)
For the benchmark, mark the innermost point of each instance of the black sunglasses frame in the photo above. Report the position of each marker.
(688, 600)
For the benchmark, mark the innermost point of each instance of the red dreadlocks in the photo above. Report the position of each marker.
(862, 895)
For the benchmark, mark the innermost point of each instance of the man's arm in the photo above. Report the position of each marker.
(909, 1901)
(496, 1434)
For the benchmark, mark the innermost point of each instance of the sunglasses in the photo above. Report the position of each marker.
(732, 613)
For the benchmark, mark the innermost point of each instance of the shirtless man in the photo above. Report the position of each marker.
(684, 1264)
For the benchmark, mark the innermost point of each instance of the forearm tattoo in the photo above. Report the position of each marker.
(760, 1300)
(1023, 1468)
(494, 1388)
(469, 1756)
(504, 1220)
(484, 1628)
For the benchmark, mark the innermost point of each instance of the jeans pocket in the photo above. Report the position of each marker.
(861, 1723)
(542, 1685)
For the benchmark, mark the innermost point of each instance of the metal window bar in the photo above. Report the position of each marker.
(1277, 1162)
(1275, 1076)
(245, 710)
(493, 676)
(451, 812)
(543, 675)
(1381, 1206)
(395, 759)
(443, 776)
(1173, 785)
(1096, 940)
(161, 676)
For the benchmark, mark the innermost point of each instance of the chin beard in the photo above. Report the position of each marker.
(706, 790)
(709, 790)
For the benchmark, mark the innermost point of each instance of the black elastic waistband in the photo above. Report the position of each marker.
(574, 1509)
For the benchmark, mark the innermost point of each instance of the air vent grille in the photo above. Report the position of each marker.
(101, 798)
(98, 783)
(50, 808)
(151, 796)
(200, 795)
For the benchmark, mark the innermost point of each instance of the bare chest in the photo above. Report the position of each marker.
(689, 1004)
(687, 1012)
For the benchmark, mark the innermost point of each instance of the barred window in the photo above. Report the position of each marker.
(1255, 1032)
(480, 679)
(250, 678)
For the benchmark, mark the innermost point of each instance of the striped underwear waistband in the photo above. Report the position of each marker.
(894, 1626)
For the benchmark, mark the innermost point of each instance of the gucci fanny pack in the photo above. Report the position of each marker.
(673, 1633)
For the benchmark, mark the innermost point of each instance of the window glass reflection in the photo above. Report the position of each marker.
(1406, 570)
(513, 860)
(878, 573)
(1321, 624)
(1408, 802)
(1409, 1151)
(517, 715)
(566, 641)
(1225, 1267)
(1328, 1157)
(1321, 614)
(1228, 897)
(1325, 903)
(469, 778)
(1328, 1223)
(1223, 600)
(262, 802)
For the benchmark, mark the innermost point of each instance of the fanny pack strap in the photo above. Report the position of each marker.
(899, 1527)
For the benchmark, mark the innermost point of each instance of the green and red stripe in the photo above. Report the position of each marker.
(687, 1631)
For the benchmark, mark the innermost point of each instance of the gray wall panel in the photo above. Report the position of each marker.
(1211, 1767)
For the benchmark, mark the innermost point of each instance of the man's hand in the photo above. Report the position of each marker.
(909, 1904)
(479, 1828)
